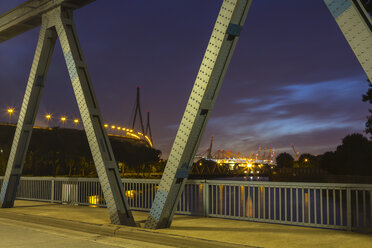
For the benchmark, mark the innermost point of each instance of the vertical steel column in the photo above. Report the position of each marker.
(203, 96)
(99, 143)
(30, 105)
(356, 25)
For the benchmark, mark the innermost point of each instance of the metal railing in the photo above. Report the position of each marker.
(336, 206)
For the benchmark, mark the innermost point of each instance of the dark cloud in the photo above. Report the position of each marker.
(289, 113)
(293, 77)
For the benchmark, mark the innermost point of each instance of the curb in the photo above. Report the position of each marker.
(131, 233)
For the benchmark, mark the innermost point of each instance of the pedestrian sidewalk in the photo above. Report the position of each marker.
(186, 231)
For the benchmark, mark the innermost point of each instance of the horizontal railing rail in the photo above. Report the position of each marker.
(326, 205)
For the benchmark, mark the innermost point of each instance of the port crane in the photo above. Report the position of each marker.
(295, 153)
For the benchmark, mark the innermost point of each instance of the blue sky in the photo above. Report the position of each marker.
(293, 78)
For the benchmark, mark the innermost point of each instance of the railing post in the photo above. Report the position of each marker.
(348, 209)
(52, 191)
(205, 199)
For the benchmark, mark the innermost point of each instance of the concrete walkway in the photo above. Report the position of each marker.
(19, 234)
(186, 231)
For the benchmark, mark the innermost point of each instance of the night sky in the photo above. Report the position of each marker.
(293, 77)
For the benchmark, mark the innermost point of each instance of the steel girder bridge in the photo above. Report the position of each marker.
(56, 20)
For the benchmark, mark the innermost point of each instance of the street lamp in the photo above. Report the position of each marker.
(10, 112)
(106, 125)
(76, 122)
(48, 117)
(113, 127)
(63, 119)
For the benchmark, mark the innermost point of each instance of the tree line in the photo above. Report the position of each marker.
(352, 157)
(65, 152)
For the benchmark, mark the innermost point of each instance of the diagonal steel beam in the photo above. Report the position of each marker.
(356, 25)
(99, 143)
(201, 102)
(59, 21)
(27, 16)
(30, 105)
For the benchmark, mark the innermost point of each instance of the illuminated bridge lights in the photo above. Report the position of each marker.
(118, 131)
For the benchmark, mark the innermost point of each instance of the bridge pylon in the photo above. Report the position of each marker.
(58, 22)
(148, 127)
(138, 110)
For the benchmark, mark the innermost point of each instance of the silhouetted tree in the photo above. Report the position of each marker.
(284, 160)
(354, 155)
(136, 156)
(86, 167)
(368, 98)
(307, 160)
(3, 160)
(66, 152)
(327, 162)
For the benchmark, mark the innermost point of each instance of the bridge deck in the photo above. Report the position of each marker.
(186, 231)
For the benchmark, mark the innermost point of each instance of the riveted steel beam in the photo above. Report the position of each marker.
(59, 22)
(201, 102)
(28, 15)
(27, 115)
(356, 25)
